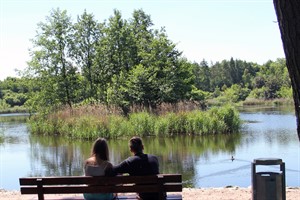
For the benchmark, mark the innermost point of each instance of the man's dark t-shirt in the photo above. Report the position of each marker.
(139, 165)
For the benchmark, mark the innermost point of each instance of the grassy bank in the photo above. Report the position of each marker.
(87, 124)
(15, 109)
(255, 102)
(273, 102)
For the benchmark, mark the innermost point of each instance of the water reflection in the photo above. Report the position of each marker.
(57, 156)
(13, 129)
(274, 129)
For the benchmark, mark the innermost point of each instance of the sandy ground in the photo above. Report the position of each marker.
(232, 193)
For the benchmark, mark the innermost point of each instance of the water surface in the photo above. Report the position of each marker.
(204, 161)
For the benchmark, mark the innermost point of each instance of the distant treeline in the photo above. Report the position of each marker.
(125, 63)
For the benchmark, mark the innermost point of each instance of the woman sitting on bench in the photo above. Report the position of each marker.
(97, 165)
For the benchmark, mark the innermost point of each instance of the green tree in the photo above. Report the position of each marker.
(87, 33)
(142, 34)
(227, 73)
(130, 47)
(13, 84)
(14, 91)
(267, 79)
(113, 54)
(202, 75)
(142, 87)
(51, 63)
(216, 76)
(162, 58)
(15, 99)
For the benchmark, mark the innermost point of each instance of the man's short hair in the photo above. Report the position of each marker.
(136, 144)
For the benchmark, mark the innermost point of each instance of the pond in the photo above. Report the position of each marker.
(204, 161)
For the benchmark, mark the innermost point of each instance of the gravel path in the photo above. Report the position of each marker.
(232, 193)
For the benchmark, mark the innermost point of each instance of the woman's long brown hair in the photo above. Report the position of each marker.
(100, 149)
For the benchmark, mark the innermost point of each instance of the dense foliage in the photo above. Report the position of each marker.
(125, 63)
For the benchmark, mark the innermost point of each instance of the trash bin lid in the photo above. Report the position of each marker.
(267, 161)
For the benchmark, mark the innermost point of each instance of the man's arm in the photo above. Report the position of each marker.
(123, 167)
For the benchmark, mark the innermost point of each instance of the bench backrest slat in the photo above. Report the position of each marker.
(88, 180)
(172, 178)
(99, 180)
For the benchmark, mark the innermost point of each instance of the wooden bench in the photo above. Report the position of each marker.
(161, 183)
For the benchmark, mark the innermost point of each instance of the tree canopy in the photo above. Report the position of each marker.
(126, 62)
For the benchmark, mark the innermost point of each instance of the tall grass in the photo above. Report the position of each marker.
(141, 123)
(87, 125)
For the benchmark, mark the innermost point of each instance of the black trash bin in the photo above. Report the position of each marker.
(268, 185)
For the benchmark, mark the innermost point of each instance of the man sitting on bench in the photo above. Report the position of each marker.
(139, 164)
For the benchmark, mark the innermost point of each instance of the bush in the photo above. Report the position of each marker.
(285, 92)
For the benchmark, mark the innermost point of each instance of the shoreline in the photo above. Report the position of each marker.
(221, 193)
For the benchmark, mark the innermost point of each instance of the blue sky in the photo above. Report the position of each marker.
(213, 30)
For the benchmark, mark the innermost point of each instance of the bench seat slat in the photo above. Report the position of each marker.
(120, 197)
(101, 189)
(169, 197)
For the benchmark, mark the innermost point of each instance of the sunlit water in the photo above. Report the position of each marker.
(203, 161)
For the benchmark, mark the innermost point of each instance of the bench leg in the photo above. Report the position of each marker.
(40, 189)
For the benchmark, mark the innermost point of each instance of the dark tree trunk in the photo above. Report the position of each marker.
(288, 17)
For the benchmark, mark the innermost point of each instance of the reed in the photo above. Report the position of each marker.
(119, 127)
(90, 125)
(166, 125)
(142, 123)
